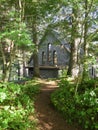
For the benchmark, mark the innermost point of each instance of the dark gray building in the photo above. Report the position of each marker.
(53, 55)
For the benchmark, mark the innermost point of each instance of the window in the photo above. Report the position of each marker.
(54, 58)
(43, 58)
(49, 52)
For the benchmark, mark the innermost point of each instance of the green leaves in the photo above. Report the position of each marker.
(81, 108)
(16, 106)
(2, 96)
(18, 34)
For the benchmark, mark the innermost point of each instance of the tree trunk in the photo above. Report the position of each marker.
(36, 64)
(24, 61)
(5, 68)
(85, 48)
(35, 53)
(74, 45)
(35, 57)
(7, 60)
(6, 73)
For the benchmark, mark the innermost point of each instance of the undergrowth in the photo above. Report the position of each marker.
(16, 105)
(80, 108)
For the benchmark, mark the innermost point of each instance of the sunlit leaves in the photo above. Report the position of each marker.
(82, 107)
(16, 106)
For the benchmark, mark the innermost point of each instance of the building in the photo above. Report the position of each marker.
(54, 54)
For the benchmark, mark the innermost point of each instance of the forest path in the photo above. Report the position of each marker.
(47, 116)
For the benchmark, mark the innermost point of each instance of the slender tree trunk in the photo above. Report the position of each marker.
(36, 64)
(6, 73)
(4, 70)
(12, 57)
(7, 61)
(24, 70)
(35, 53)
(84, 74)
(35, 41)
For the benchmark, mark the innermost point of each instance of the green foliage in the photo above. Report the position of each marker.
(87, 84)
(19, 36)
(81, 108)
(31, 88)
(63, 99)
(63, 73)
(87, 109)
(16, 106)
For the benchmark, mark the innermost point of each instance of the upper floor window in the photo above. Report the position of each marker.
(49, 52)
(54, 58)
(49, 46)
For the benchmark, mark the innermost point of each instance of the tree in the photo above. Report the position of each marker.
(78, 31)
(13, 35)
(35, 12)
(69, 26)
(89, 7)
(74, 43)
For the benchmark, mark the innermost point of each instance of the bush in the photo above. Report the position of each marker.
(88, 84)
(87, 109)
(31, 89)
(63, 99)
(16, 106)
(81, 108)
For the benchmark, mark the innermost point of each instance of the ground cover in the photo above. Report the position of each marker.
(17, 104)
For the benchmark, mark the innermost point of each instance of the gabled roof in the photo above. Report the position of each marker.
(57, 35)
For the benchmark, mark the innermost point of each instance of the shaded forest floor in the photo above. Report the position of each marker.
(48, 117)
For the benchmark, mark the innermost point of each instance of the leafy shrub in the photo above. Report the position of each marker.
(63, 83)
(63, 73)
(31, 88)
(81, 108)
(63, 99)
(16, 106)
(87, 109)
(88, 84)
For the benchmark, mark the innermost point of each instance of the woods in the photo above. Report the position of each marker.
(52, 37)
(26, 17)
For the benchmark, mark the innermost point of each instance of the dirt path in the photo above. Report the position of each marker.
(48, 117)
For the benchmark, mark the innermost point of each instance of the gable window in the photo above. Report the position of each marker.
(49, 52)
(43, 58)
(54, 58)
